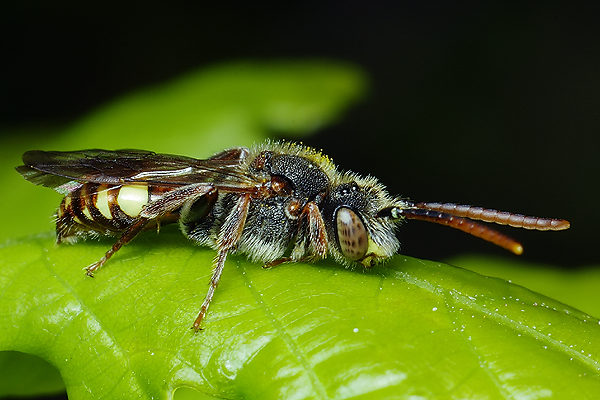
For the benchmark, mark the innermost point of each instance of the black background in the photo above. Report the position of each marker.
(480, 103)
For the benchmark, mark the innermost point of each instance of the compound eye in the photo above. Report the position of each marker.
(351, 234)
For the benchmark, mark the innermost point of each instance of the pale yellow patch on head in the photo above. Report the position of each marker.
(132, 199)
(376, 249)
(375, 253)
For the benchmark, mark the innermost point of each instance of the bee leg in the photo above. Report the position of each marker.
(151, 211)
(230, 233)
(125, 238)
(317, 234)
(285, 260)
(311, 241)
(175, 199)
(277, 262)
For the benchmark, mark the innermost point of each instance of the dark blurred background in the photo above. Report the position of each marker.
(486, 104)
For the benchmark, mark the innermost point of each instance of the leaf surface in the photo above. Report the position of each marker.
(409, 328)
(28, 375)
(576, 287)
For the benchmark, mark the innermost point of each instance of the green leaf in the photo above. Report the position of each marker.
(578, 288)
(27, 375)
(224, 106)
(409, 328)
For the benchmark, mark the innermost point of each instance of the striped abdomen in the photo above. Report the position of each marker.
(94, 209)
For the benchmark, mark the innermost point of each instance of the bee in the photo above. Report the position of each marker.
(276, 203)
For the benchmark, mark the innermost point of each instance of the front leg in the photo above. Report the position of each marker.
(316, 230)
(311, 240)
(229, 235)
(152, 211)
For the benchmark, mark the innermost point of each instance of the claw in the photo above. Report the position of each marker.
(196, 327)
(89, 271)
(277, 262)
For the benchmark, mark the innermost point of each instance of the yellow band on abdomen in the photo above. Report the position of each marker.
(102, 203)
(132, 199)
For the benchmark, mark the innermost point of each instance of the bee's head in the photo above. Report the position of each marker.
(357, 231)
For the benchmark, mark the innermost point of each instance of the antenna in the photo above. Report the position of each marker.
(462, 217)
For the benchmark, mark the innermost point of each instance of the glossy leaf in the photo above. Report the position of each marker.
(27, 375)
(410, 328)
(576, 287)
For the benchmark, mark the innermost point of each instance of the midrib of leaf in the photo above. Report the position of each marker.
(118, 352)
(465, 301)
(466, 378)
(448, 301)
(317, 385)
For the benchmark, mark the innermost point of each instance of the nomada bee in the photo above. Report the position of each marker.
(276, 203)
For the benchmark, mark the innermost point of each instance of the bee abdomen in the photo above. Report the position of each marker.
(104, 209)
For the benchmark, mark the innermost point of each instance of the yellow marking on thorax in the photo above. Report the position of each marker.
(102, 203)
(132, 199)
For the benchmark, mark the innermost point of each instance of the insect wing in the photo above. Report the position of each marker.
(64, 171)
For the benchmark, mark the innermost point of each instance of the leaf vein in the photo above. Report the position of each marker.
(465, 301)
(120, 353)
(318, 386)
(448, 302)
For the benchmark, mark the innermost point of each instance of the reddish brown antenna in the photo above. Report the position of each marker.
(497, 217)
(462, 216)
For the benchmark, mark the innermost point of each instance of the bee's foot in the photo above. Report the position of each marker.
(275, 263)
(89, 270)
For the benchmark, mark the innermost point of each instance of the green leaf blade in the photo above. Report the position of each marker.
(296, 331)
(576, 287)
(27, 375)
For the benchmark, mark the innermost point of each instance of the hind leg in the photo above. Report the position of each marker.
(151, 213)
